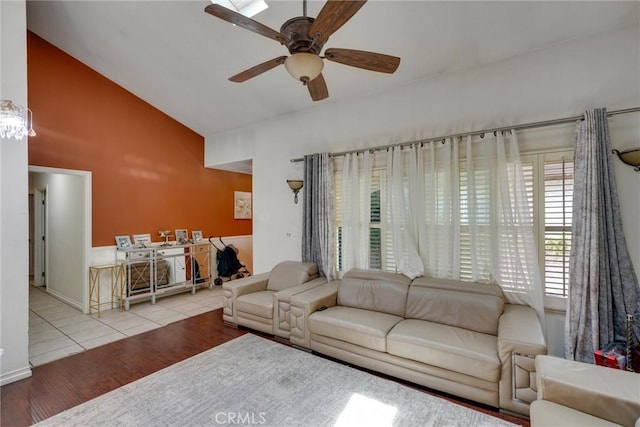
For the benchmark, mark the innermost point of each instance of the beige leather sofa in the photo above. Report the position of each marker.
(261, 302)
(452, 336)
(580, 394)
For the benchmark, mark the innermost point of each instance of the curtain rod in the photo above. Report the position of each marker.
(478, 132)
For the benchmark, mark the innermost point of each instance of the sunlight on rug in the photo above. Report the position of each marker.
(254, 381)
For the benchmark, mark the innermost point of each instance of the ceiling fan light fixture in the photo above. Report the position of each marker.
(304, 66)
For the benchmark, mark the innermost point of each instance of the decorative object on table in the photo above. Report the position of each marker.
(165, 234)
(613, 355)
(630, 157)
(295, 185)
(123, 242)
(142, 240)
(242, 205)
(196, 236)
(181, 236)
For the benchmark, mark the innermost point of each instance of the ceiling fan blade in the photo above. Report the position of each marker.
(258, 69)
(244, 22)
(318, 89)
(332, 16)
(363, 59)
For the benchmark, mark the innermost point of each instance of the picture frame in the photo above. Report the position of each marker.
(196, 236)
(142, 240)
(123, 242)
(181, 235)
(241, 205)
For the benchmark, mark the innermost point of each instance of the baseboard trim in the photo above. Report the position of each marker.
(18, 374)
(67, 300)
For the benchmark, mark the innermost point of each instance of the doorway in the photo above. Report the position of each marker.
(62, 232)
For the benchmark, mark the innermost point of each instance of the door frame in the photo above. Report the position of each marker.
(86, 175)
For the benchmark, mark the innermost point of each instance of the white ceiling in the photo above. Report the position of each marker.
(178, 58)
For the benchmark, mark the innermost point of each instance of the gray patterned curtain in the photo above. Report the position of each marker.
(603, 286)
(318, 243)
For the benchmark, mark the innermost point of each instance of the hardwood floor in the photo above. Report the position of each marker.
(62, 384)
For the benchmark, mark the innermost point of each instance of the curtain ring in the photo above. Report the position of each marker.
(495, 133)
(482, 135)
(443, 141)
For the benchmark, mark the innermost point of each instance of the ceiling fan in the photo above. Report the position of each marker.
(304, 37)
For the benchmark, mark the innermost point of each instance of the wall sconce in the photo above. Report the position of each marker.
(630, 157)
(15, 121)
(295, 185)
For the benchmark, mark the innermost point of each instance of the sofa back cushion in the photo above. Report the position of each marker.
(459, 285)
(288, 274)
(478, 312)
(374, 290)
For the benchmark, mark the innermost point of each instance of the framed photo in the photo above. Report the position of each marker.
(196, 236)
(241, 205)
(123, 242)
(181, 235)
(142, 240)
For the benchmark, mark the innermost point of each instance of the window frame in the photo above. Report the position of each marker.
(551, 302)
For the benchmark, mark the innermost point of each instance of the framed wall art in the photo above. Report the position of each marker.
(196, 236)
(241, 205)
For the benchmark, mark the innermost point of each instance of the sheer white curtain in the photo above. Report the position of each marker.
(465, 216)
(356, 210)
(406, 214)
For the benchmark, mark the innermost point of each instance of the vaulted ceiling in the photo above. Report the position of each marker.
(178, 58)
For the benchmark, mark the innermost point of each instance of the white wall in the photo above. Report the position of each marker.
(67, 241)
(560, 81)
(14, 213)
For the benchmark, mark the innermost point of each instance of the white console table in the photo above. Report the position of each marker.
(159, 270)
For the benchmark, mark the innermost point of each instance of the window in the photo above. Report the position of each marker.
(557, 217)
(380, 249)
(548, 179)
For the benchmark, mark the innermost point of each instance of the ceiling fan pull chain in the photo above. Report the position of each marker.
(304, 8)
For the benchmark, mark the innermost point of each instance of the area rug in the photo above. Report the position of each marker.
(254, 381)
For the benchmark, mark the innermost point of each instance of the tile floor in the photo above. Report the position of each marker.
(57, 330)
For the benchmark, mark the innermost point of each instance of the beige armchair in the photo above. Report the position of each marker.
(580, 394)
(261, 302)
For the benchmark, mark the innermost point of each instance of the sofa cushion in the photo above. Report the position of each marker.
(256, 303)
(459, 285)
(374, 290)
(476, 312)
(361, 327)
(360, 273)
(288, 274)
(447, 347)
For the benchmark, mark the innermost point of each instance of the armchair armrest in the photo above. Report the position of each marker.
(233, 289)
(305, 303)
(282, 305)
(520, 339)
(606, 393)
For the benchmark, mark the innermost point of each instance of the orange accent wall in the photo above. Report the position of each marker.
(147, 169)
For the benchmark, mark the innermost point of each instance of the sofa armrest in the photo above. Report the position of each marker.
(282, 305)
(305, 303)
(233, 289)
(606, 393)
(520, 339)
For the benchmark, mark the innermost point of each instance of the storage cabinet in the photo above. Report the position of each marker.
(159, 270)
